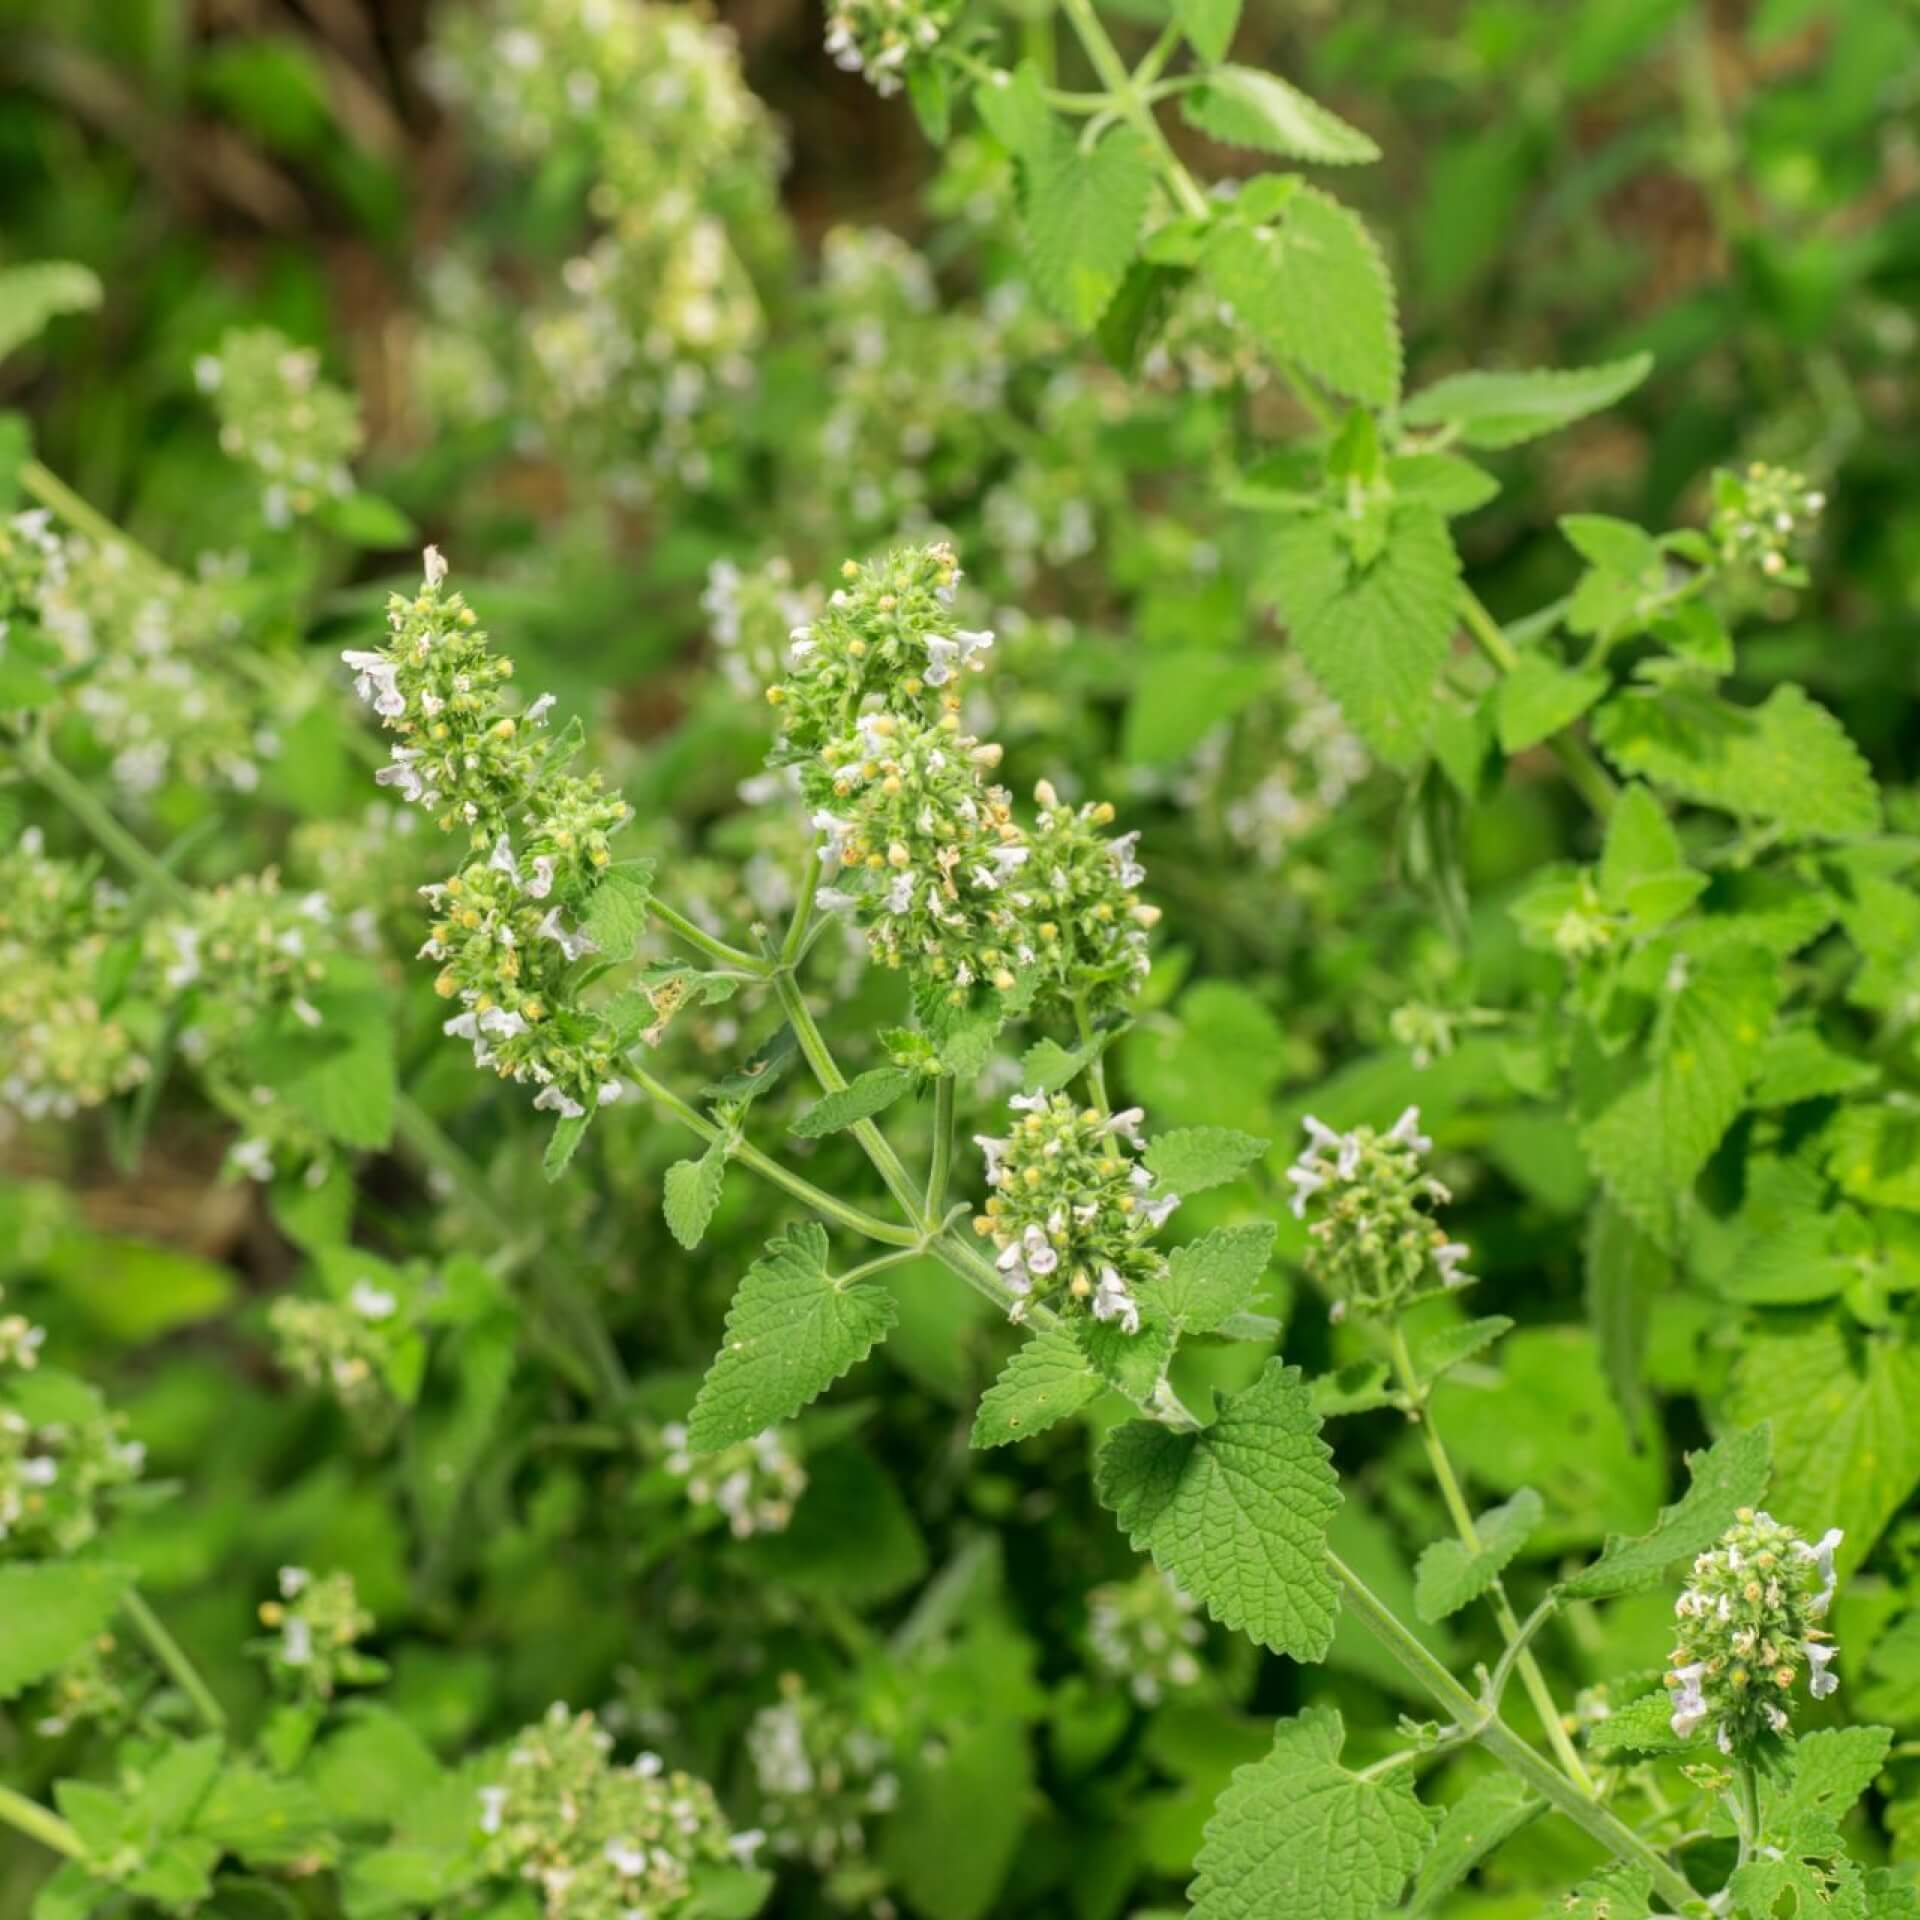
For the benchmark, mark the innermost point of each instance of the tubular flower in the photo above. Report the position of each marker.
(1749, 1627)
(509, 929)
(598, 1841)
(1071, 1212)
(1375, 1245)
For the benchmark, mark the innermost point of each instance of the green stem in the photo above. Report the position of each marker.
(1577, 760)
(714, 948)
(795, 943)
(853, 1219)
(942, 1161)
(52, 492)
(1503, 1743)
(1097, 1065)
(1128, 102)
(820, 1058)
(107, 832)
(1746, 1808)
(167, 1650)
(1420, 1413)
(1058, 97)
(40, 1823)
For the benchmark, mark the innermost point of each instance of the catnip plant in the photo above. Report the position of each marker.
(896, 1009)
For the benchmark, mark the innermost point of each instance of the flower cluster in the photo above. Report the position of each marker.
(884, 38)
(58, 923)
(62, 1452)
(1144, 1631)
(1749, 1626)
(822, 1774)
(1375, 1245)
(296, 430)
(753, 613)
(1762, 518)
(1079, 897)
(657, 315)
(360, 1348)
(753, 1486)
(1071, 1212)
(508, 935)
(317, 1624)
(598, 1841)
(143, 655)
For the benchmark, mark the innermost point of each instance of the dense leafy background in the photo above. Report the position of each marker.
(1729, 187)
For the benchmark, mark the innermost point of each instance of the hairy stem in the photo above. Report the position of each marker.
(1420, 1413)
(1578, 761)
(1500, 1740)
(168, 1651)
(39, 1823)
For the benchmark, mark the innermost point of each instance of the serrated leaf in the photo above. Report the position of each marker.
(1873, 1153)
(1623, 1891)
(1844, 1407)
(1237, 1514)
(32, 295)
(1731, 1474)
(1483, 1819)
(1191, 1159)
(1312, 288)
(1209, 25)
(1047, 1379)
(1787, 762)
(616, 910)
(1451, 1574)
(692, 1191)
(1503, 409)
(1211, 1279)
(1296, 1836)
(1650, 1138)
(1047, 1066)
(1643, 1726)
(1799, 1065)
(792, 1331)
(1083, 218)
(1016, 112)
(873, 1092)
(564, 1142)
(49, 1612)
(1539, 697)
(1374, 637)
(1444, 1349)
(1248, 108)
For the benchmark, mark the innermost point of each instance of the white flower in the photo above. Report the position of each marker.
(745, 1844)
(1113, 1301)
(293, 1582)
(1405, 1132)
(542, 882)
(1126, 1123)
(371, 1302)
(376, 679)
(1689, 1703)
(1821, 1554)
(501, 860)
(252, 1156)
(493, 1808)
(574, 944)
(296, 1642)
(626, 1858)
(551, 1099)
(402, 773)
(434, 566)
(1307, 1180)
(1448, 1258)
(540, 709)
(1819, 1658)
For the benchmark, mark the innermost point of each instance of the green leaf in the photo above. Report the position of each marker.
(564, 1141)
(1873, 1152)
(1211, 1279)
(1623, 1891)
(1640, 845)
(1016, 112)
(1503, 409)
(852, 1537)
(1180, 697)
(32, 295)
(1650, 1138)
(692, 1193)
(1627, 1271)
(1312, 288)
(1799, 1065)
(1248, 108)
(792, 1331)
(1237, 1514)
(1644, 1726)
(49, 1612)
(265, 1822)
(1376, 636)
(1047, 1066)
(1296, 1836)
(1209, 26)
(1048, 1379)
(1083, 217)
(1437, 1353)
(1787, 762)
(1451, 1574)
(616, 910)
(367, 520)
(1482, 1820)
(873, 1092)
(1731, 1474)
(1539, 697)
(1191, 1159)
(1844, 1407)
